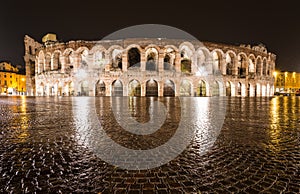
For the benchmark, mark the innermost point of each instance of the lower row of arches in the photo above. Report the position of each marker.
(154, 88)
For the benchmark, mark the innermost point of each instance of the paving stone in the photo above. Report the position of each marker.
(46, 150)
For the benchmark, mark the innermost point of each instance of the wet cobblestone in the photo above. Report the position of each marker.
(257, 151)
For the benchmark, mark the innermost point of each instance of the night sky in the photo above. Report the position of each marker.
(274, 24)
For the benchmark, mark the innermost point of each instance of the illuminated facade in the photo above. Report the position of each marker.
(11, 82)
(147, 67)
(287, 82)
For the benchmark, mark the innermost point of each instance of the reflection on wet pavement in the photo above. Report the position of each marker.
(43, 149)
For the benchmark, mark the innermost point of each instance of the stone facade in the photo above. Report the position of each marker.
(287, 83)
(147, 67)
(12, 82)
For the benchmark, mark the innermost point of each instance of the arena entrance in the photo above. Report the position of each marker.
(228, 89)
(215, 89)
(100, 88)
(169, 88)
(202, 88)
(151, 88)
(185, 88)
(134, 88)
(84, 89)
(117, 88)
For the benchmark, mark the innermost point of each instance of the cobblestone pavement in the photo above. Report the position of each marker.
(257, 150)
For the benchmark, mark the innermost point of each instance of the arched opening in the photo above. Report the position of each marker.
(216, 56)
(100, 89)
(202, 67)
(248, 90)
(185, 88)
(169, 88)
(258, 67)
(186, 62)
(134, 88)
(239, 89)
(242, 66)
(117, 59)
(186, 65)
(41, 89)
(59, 89)
(56, 62)
(84, 88)
(30, 50)
(117, 88)
(264, 67)
(152, 59)
(169, 60)
(215, 89)
(41, 60)
(83, 59)
(69, 62)
(229, 63)
(134, 58)
(99, 60)
(47, 62)
(251, 67)
(71, 88)
(151, 88)
(202, 88)
(228, 89)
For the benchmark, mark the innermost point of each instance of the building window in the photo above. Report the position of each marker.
(4, 76)
(5, 82)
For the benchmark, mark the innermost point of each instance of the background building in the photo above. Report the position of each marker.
(287, 83)
(147, 67)
(11, 80)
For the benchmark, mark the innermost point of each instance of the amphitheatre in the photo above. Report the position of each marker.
(147, 67)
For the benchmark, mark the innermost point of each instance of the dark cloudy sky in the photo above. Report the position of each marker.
(274, 24)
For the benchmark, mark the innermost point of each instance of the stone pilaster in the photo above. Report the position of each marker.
(108, 89)
(247, 68)
(160, 88)
(125, 88)
(235, 68)
(75, 61)
(178, 62)
(143, 88)
(143, 61)
(222, 66)
(194, 64)
(108, 62)
(161, 61)
(62, 60)
(124, 62)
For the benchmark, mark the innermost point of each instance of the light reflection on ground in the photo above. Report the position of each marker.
(257, 151)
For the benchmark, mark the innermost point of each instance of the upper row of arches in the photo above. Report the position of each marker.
(184, 58)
